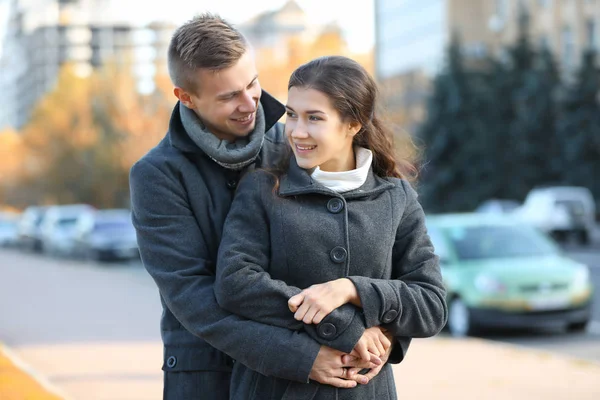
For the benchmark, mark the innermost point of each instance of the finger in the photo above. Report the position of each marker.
(375, 360)
(352, 372)
(310, 314)
(385, 342)
(319, 317)
(340, 383)
(362, 379)
(373, 372)
(380, 348)
(295, 301)
(363, 352)
(349, 358)
(301, 312)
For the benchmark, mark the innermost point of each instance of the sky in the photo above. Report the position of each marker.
(355, 18)
(356, 21)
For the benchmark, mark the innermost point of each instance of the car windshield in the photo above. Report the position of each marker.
(102, 226)
(66, 222)
(483, 242)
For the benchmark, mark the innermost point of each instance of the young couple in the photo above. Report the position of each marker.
(292, 261)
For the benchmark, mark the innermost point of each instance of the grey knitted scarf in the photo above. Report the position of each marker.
(236, 155)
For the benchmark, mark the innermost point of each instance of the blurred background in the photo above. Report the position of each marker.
(501, 96)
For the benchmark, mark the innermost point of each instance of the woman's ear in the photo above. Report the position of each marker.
(354, 128)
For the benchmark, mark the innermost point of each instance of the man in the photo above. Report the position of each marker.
(222, 126)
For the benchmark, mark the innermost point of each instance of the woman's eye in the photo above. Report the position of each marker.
(313, 118)
(290, 114)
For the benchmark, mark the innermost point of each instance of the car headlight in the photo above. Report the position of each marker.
(581, 278)
(489, 284)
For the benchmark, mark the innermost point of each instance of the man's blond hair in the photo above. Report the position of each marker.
(205, 42)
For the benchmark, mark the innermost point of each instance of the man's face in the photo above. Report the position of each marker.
(227, 100)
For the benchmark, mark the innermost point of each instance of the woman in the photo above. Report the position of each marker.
(336, 225)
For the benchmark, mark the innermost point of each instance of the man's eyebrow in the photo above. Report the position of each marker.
(235, 92)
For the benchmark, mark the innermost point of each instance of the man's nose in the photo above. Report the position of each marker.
(248, 104)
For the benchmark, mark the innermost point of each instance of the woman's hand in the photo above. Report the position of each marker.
(373, 342)
(317, 301)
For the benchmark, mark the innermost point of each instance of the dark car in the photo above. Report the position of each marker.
(106, 235)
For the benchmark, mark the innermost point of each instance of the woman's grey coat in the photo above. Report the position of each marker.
(275, 245)
(180, 198)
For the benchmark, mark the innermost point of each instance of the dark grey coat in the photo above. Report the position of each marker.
(180, 198)
(273, 246)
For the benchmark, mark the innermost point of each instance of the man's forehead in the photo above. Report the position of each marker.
(230, 79)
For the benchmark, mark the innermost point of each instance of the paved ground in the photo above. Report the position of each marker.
(92, 331)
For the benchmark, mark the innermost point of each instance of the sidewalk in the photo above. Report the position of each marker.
(439, 368)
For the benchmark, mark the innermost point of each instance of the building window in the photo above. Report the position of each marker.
(567, 47)
(543, 3)
(592, 34)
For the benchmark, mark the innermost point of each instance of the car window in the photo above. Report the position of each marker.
(439, 243)
(486, 242)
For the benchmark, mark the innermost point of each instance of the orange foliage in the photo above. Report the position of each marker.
(276, 64)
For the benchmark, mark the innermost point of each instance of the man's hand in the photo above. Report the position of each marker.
(372, 342)
(353, 373)
(330, 369)
(317, 301)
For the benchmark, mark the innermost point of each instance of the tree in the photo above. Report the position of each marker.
(579, 127)
(450, 136)
(85, 134)
(532, 132)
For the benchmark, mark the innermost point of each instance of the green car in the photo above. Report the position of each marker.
(500, 273)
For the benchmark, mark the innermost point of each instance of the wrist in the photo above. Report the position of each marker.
(350, 292)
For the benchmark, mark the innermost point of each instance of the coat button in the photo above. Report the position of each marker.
(171, 361)
(338, 255)
(334, 206)
(231, 184)
(327, 330)
(389, 316)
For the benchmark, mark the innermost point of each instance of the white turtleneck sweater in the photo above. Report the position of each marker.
(345, 181)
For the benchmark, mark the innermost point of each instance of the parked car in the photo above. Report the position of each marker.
(58, 228)
(29, 228)
(560, 211)
(500, 273)
(106, 235)
(498, 206)
(8, 231)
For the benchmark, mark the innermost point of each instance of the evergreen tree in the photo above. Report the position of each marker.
(533, 129)
(579, 127)
(447, 136)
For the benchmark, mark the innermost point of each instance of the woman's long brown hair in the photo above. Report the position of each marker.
(353, 93)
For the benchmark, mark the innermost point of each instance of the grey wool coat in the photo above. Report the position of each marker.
(180, 199)
(274, 245)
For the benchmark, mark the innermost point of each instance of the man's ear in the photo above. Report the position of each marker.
(184, 97)
(354, 128)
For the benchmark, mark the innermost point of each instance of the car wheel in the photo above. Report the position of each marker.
(578, 326)
(583, 237)
(459, 319)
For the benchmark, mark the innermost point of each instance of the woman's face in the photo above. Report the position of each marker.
(316, 132)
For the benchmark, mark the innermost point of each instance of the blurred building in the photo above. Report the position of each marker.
(45, 34)
(277, 30)
(412, 35)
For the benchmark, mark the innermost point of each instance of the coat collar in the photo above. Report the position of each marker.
(298, 181)
(179, 139)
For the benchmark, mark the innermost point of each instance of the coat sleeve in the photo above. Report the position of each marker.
(413, 302)
(244, 285)
(175, 254)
